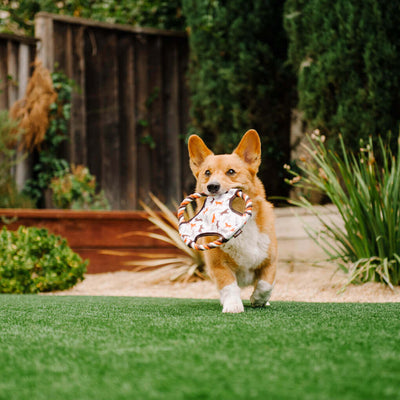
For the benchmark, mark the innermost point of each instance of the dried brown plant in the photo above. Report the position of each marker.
(32, 111)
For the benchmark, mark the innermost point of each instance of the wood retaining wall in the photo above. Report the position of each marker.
(102, 236)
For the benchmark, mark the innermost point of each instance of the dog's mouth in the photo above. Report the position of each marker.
(217, 190)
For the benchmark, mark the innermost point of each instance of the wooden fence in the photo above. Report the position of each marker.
(131, 109)
(16, 56)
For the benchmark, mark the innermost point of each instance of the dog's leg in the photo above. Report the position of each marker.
(224, 278)
(230, 299)
(263, 287)
(262, 293)
(229, 290)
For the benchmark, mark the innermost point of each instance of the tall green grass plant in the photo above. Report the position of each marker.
(365, 188)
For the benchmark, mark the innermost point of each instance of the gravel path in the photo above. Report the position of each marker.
(295, 282)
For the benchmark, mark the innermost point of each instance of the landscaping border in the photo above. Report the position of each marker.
(106, 239)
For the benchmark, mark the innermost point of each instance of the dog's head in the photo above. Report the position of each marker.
(216, 174)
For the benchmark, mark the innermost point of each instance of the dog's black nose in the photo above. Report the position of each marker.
(213, 187)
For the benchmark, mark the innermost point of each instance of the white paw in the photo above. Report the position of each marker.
(261, 294)
(259, 302)
(233, 305)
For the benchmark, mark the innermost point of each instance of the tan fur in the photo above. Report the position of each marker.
(245, 161)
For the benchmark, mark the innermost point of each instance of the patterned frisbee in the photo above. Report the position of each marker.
(216, 218)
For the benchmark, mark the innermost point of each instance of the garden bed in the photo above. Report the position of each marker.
(294, 282)
(103, 236)
(100, 236)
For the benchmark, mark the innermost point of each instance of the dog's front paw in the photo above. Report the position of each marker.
(258, 302)
(230, 299)
(233, 305)
(261, 294)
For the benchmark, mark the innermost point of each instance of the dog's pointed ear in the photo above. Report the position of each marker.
(198, 152)
(249, 149)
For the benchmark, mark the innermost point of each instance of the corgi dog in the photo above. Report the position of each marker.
(251, 257)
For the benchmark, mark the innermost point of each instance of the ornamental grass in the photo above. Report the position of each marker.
(365, 188)
(185, 265)
(32, 111)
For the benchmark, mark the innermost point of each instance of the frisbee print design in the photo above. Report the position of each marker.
(216, 218)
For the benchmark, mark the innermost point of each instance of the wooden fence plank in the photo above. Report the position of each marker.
(127, 88)
(69, 69)
(110, 129)
(93, 89)
(78, 149)
(156, 113)
(173, 190)
(46, 47)
(23, 170)
(142, 121)
(60, 32)
(12, 70)
(3, 75)
(24, 68)
(187, 179)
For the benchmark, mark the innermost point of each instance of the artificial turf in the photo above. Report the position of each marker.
(150, 348)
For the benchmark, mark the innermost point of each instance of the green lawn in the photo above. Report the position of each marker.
(137, 348)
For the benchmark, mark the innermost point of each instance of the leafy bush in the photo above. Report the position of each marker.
(32, 261)
(365, 188)
(345, 54)
(238, 78)
(75, 189)
(164, 14)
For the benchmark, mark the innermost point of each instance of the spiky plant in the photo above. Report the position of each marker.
(186, 266)
(365, 188)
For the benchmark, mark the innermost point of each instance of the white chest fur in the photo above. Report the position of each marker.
(248, 250)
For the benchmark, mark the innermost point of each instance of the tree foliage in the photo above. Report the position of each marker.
(346, 55)
(238, 78)
(164, 14)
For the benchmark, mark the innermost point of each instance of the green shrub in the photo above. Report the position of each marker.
(75, 189)
(164, 14)
(345, 54)
(32, 261)
(238, 78)
(365, 188)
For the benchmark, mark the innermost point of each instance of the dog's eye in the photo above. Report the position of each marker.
(207, 173)
(231, 172)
